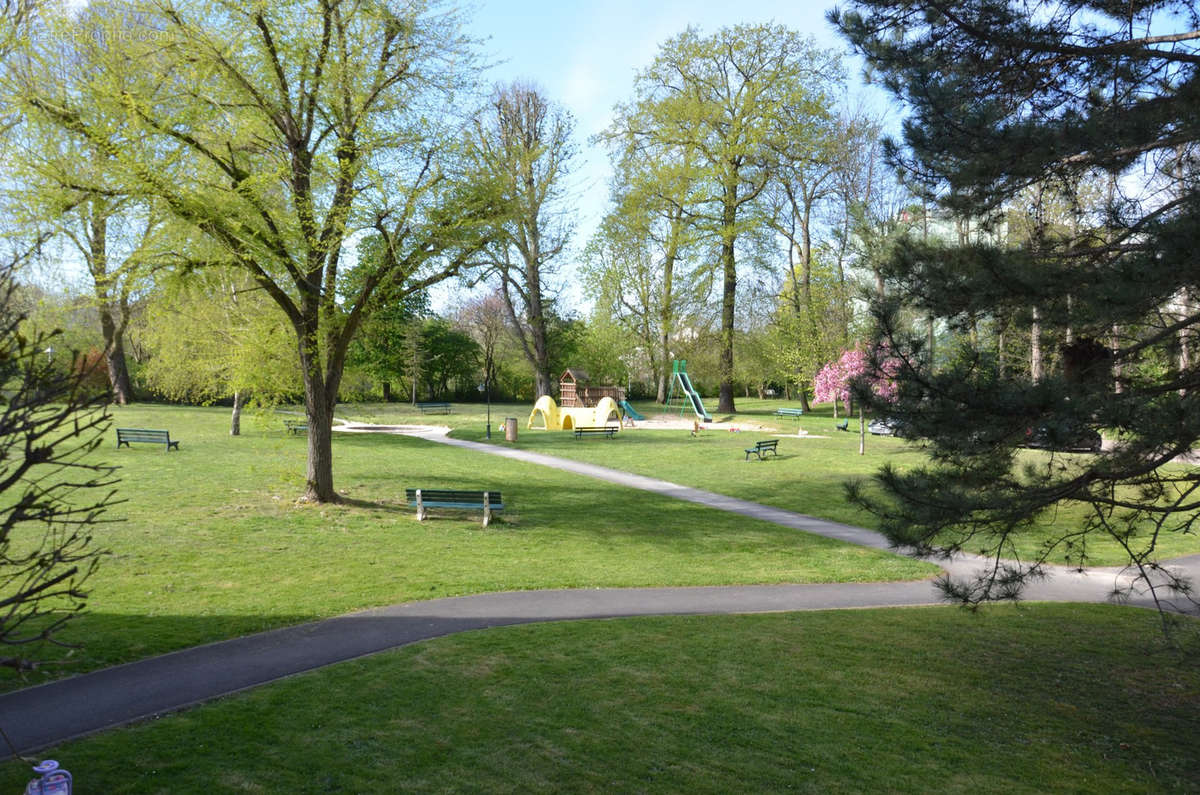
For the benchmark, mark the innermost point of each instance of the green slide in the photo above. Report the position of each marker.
(630, 411)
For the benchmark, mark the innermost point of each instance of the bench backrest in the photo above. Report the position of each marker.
(142, 435)
(765, 445)
(453, 495)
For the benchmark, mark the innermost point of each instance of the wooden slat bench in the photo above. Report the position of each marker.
(434, 407)
(760, 449)
(424, 499)
(788, 412)
(607, 430)
(295, 426)
(127, 435)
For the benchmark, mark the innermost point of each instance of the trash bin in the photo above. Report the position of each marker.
(510, 429)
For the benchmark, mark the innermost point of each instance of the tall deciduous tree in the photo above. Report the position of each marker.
(281, 129)
(485, 319)
(639, 265)
(524, 141)
(1005, 95)
(635, 270)
(732, 99)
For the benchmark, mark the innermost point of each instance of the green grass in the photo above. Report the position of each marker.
(213, 544)
(1038, 699)
(808, 476)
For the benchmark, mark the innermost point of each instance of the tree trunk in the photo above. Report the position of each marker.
(930, 342)
(114, 360)
(533, 342)
(113, 331)
(1001, 350)
(729, 295)
(543, 383)
(1118, 368)
(666, 317)
(806, 254)
(1069, 331)
(862, 432)
(235, 417)
(318, 485)
(1035, 347)
(387, 391)
(537, 333)
(318, 410)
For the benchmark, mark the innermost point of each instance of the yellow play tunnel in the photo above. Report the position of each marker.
(567, 419)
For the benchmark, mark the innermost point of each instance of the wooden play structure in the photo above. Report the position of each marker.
(580, 404)
(574, 390)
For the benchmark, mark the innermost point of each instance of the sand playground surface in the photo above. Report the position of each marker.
(659, 422)
(653, 422)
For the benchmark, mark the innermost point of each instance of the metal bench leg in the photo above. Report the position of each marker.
(420, 507)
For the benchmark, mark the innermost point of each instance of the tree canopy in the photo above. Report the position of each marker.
(721, 112)
(279, 131)
(1005, 96)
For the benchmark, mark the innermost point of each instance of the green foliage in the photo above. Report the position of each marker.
(214, 334)
(298, 144)
(719, 109)
(1058, 104)
(606, 351)
(807, 333)
(450, 359)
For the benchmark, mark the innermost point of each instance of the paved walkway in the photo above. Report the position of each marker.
(49, 714)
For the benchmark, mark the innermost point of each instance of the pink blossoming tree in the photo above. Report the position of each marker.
(834, 379)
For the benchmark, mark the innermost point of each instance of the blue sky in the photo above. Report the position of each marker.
(584, 55)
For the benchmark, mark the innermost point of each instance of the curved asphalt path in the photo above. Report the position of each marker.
(52, 713)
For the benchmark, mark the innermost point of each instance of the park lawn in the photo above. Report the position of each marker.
(213, 544)
(1028, 699)
(807, 477)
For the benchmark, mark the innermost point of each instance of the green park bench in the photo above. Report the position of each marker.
(844, 425)
(607, 430)
(760, 449)
(424, 499)
(434, 407)
(127, 435)
(789, 412)
(295, 426)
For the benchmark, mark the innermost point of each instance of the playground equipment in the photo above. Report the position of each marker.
(575, 389)
(564, 418)
(687, 396)
(630, 411)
